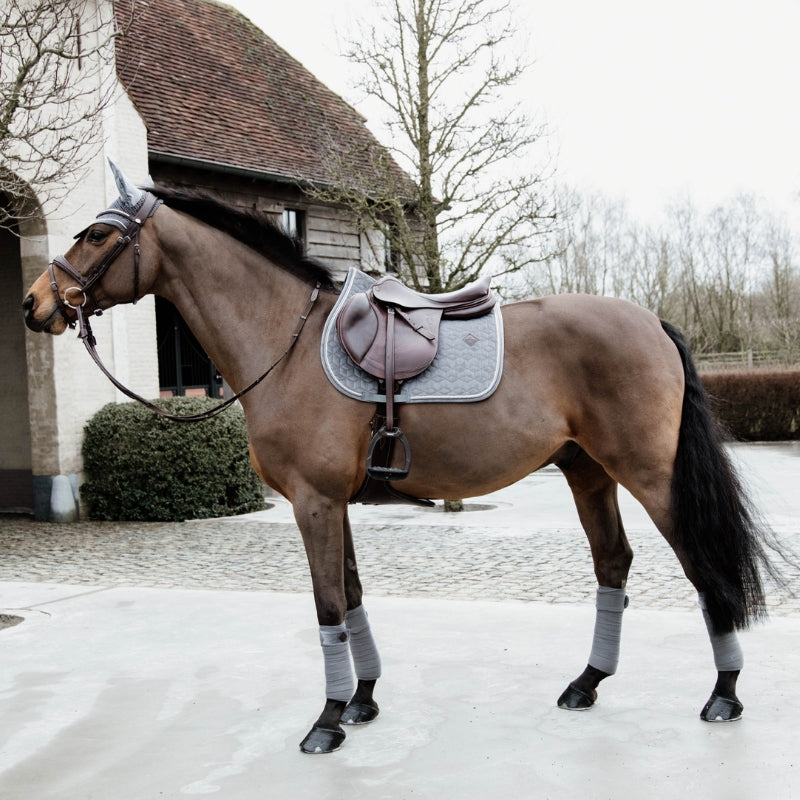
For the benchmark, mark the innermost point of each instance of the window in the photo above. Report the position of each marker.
(293, 223)
(376, 256)
(389, 256)
(183, 366)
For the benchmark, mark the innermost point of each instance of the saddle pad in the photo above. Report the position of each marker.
(467, 368)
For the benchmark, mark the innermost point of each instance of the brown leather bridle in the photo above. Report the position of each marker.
(85, 283)
(84, 286)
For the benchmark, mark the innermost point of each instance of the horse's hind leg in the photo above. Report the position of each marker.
(595, 494)
(723, 705)
(362, 708)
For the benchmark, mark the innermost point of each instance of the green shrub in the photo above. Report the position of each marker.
(140, 466)
(756, 406)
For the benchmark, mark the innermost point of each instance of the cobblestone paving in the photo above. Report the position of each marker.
(409, 559)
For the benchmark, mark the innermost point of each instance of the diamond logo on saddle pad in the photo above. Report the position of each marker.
(467, 367)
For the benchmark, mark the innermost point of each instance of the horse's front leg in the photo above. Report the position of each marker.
(321, 524)
(362, 708)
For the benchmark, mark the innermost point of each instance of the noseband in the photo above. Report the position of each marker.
(85, 283)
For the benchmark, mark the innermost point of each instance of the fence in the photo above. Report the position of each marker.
(745, 360)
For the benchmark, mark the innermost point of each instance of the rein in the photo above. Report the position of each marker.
(131, 234)
(86, 335)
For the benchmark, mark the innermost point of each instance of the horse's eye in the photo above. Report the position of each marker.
(96, 236)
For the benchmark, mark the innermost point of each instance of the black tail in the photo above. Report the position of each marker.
(713, 523)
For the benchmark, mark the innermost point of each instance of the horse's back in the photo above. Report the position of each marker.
(557, 322)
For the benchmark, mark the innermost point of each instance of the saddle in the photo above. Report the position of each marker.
(392, 333)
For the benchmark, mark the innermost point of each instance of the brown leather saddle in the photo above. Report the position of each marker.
(392, 333)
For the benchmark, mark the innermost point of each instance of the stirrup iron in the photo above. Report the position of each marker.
(388, 473)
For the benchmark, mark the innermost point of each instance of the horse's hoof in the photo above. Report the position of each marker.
(575, 699)
(322, 740)
(359, 713)
(721, 709)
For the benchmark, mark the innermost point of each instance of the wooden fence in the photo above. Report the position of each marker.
(744, 360)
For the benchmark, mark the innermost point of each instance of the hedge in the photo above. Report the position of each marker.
(141, 466)
(756, 406)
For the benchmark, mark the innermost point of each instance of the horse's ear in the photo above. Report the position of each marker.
(128, 192)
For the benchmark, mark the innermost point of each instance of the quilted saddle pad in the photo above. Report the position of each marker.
(467, 368)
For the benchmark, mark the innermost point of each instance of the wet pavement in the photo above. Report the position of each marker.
(167, 660)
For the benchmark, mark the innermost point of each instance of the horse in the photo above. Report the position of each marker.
(599, 387)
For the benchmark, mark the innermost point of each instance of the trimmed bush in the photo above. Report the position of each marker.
(140, 466)
(756, 406)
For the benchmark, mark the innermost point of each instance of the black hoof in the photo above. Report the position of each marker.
(359, 713)
(575, 699)
(322, 740)
(721, 709)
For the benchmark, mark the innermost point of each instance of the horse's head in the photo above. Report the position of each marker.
(83, 277)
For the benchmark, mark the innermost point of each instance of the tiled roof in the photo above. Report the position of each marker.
(212, 86)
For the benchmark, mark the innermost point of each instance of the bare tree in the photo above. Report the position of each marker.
(782, 291)
(649, 272)
(728, 278)
(56, 77)
(440, 69)
(719, 256)
(589, 247)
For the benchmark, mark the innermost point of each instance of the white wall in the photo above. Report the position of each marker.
(65, 386)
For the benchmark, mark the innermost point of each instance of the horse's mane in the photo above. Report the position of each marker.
(254, 228)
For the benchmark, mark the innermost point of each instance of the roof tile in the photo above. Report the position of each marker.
(210, 85)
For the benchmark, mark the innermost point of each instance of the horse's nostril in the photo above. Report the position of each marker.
(27, 304)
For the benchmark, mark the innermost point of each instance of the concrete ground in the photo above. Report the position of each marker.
(121, 682)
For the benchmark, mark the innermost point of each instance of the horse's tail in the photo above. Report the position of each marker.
(714, 525)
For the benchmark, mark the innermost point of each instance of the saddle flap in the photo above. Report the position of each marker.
(361, 327)
(414, 351)
(357, 326)
(425, 321)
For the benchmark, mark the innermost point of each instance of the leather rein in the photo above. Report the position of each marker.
(83, 290)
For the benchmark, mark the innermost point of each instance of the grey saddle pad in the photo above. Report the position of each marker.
(467, 367)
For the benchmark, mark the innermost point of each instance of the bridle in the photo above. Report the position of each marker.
(85, 283)
(130, 234)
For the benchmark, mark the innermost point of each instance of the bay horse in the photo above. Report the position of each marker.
(597, 386)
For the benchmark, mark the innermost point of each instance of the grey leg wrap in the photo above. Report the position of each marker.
(366, 658)
(339, 681)
(607, 629)
(728, 655)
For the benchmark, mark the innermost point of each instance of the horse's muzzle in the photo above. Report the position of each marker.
(54, 323)
(27, 311)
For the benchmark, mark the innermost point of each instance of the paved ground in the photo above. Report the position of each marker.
(172, 660)
(522, 543)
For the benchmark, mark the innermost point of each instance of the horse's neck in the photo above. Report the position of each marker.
(241, 308)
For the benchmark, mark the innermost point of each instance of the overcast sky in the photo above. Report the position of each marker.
(648, 100)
